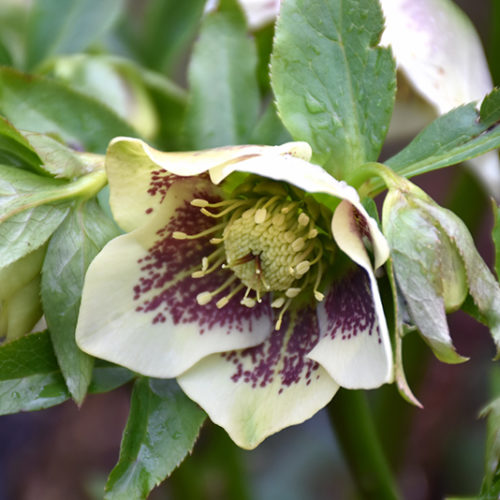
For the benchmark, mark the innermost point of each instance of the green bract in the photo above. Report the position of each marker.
(436, 266)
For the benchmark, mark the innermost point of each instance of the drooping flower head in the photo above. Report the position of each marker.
(229, 280)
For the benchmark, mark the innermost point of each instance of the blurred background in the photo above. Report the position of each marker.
(66, 453)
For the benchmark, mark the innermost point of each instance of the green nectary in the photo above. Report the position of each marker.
(271, 240)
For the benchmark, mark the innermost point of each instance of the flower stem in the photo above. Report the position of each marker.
(350, 416)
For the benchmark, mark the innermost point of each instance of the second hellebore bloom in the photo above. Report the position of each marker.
(229, 280)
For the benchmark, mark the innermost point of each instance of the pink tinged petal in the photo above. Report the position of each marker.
(139, 305)
(437, 47)
(355, 348)
(258, 391)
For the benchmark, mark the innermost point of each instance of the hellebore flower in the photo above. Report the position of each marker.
(436, 266)
(227, 280)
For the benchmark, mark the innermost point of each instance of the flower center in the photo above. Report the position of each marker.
(270, 243)
(266, 248)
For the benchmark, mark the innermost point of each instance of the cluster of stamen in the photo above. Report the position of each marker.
(269, 243)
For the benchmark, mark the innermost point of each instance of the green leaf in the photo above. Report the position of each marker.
(59, 160)
(490, 109)
(15, 150)
(57, 27)
(440, 138)
(224, 96)
(169, 25)
(264, 42)
(161, 430)
(20, 190)
(170, 103)
(496, 236)
(29, 375)
(334, 88)
(107, 376)
(5, 57)
(454, 137)
(41, 105)
(269, 129)
(27, 356)
(28, 230)
(75, 243)
(491, 481)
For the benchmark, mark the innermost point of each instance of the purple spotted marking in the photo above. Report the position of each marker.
(362, 227)
(350, 309)
(160, 182)
(284, 354)
(166, 287)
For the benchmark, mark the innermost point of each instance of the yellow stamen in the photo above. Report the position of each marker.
(293, 292)
(282, 313)
(303, 219)
(179, 235)
(277, 303)
(260, 215)
(222, 302)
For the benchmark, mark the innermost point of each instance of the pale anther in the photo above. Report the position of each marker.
(282, 313)
(318, 296)
(298, 244)
(260, 215)
(302, 267)
(293, 292)
(204, 298)
(277, 303)
(248, 302)
(179, 235)
(303, 219)
(198, 202)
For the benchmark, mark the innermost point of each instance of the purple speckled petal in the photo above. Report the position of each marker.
(355, 348)
(139, 305)
(256, 392)
(137, 185)
(139, 175)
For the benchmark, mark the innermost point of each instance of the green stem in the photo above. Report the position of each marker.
(370, 178)
(85, 187)
(350, 416)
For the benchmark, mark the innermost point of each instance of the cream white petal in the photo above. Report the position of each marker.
(438, 49)
(355, 347)
(259, 391)
(139, 306)
(139, 175)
